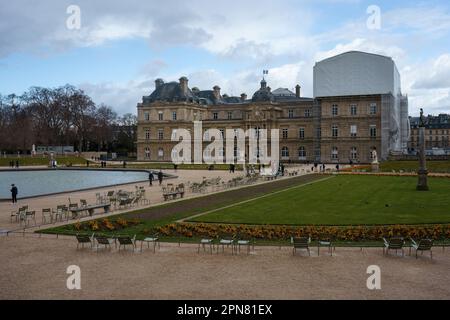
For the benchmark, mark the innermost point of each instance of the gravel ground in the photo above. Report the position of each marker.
(35, 268)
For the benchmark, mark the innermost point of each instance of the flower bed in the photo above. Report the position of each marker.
(105, 225)
(351, 233)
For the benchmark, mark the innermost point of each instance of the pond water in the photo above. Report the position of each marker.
(44, 182)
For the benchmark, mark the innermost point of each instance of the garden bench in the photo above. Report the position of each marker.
(91, 209)
(173, 195)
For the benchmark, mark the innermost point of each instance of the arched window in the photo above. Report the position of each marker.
(354, 153)
(334, 153)
(302, 153)
(285, 152)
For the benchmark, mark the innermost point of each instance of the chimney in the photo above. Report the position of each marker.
(216, 92)
(184, 84)
(243, 97)
(195, 90)
(158, 83)
(297, 91)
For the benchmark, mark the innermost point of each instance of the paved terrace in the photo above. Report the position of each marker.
(35, 268)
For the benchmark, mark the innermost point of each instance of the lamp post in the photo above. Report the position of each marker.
(422, 185)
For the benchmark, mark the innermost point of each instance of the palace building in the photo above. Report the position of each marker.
(357, 107)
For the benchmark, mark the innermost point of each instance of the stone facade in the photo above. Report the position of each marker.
(330, 130)
(437, 132)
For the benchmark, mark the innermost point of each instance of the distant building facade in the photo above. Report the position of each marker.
(345, 121)
(55, 149)
(437, 133)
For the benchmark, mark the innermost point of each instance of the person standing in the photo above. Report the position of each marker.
(151, 178)
(17, 164)
(160, 177)
(14, 192)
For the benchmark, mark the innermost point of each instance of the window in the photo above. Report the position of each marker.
(147, 116)
(160, 116)
(301, 153)
(334, 110)
(285, 133)
(285, 152)
(222, 132)
(160, 134)
(319, 133)
(373, 109)
(334, 153)
(147, 134)
(353, 153)
(174, 134)
(353, 109)
(301, 133)
(174, 116)
(215, 115)
(147, 153)
(206, 135)
(335, 131)
(373, 131)
(160, 152)
(291, 114)
(353, 131)
(307, 113)
(230, 115)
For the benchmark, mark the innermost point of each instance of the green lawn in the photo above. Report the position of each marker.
(345, 200)
(42, 161)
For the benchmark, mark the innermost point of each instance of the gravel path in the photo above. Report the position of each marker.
(34, 268)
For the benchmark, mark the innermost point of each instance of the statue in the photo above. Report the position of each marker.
(422, 119)
(375, 156)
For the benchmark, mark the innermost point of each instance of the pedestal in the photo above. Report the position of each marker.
(375, 167)
(422, 185)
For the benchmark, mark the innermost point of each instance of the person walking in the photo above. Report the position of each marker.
(14, 192)
(151, 177)
(160, 177)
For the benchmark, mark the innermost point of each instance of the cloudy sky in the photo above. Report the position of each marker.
(121, 47)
